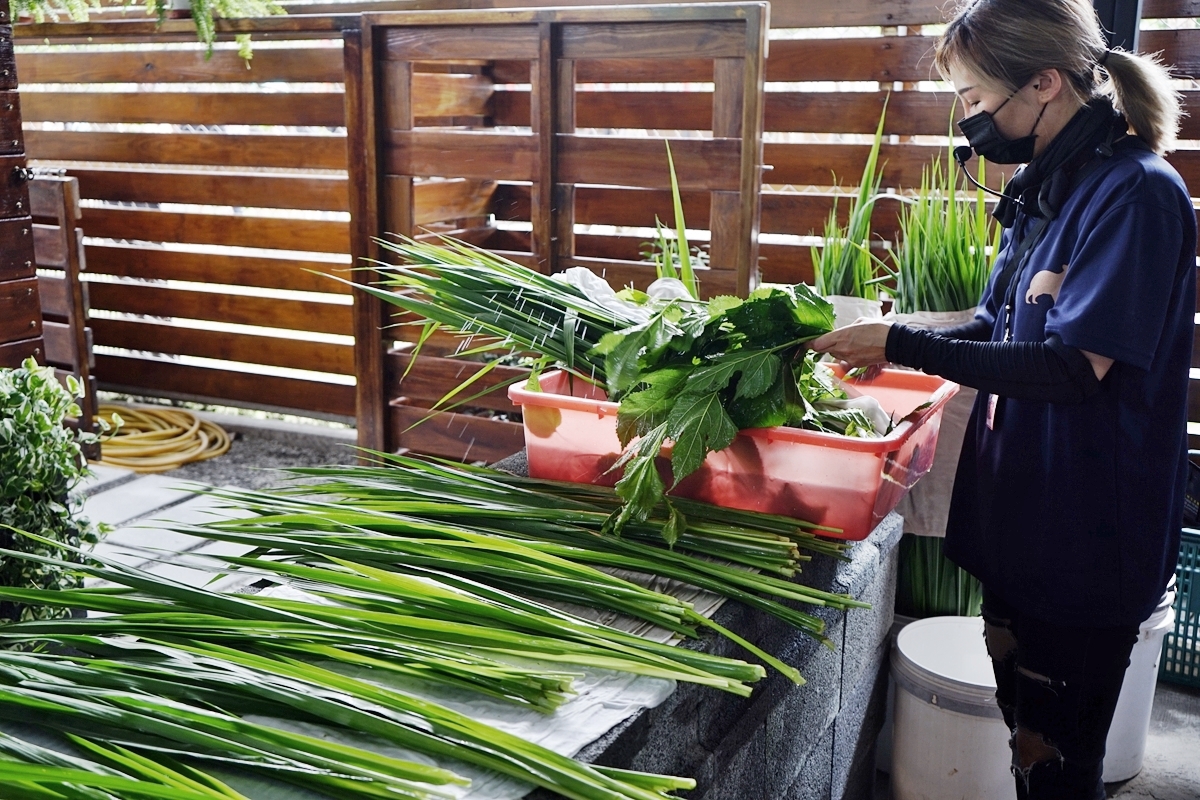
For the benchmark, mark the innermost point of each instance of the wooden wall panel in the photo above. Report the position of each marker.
(211, 166)
(214, 187)
(153, 376)
(213, 149)
(318, 236)
(156, 263)
(301, 65)
(178, 340)
(159, 301)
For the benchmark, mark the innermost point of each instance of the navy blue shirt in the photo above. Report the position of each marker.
(1071, 513)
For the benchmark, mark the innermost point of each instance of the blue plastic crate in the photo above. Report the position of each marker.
(1180, 661)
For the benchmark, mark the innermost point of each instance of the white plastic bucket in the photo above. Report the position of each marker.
(1126, 746)
(949, 740)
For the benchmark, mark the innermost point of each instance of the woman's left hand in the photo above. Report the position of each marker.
(862, 344)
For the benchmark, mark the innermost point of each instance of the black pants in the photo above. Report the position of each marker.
(1057, 687)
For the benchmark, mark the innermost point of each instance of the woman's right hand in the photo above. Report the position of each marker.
(862, 344)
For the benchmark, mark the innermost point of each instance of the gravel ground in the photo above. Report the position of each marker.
(260, 448)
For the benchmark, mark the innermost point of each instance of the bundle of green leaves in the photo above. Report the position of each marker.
(696, 373)
(40, 461)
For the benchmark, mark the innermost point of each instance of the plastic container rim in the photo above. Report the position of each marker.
(521, 396)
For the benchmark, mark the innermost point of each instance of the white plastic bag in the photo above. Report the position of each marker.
(847, 309)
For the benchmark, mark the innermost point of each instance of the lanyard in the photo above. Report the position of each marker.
(1011, 276)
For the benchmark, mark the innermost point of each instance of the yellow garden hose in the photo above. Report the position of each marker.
(159, 439)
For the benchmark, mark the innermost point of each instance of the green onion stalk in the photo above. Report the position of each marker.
(945, 247)
(191, 699)
(842, 263)
(302, 525)
(407, 624)
(31, 771)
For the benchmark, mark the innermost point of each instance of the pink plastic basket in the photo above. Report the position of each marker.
(837, 481)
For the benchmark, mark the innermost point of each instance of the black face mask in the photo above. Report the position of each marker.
(987, 141)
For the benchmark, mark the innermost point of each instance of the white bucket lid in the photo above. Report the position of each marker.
(944, 661)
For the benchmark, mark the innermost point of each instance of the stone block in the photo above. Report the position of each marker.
(813, 780)
(856, 729)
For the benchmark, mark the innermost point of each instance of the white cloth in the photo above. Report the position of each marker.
(847, 309)
(926, 507)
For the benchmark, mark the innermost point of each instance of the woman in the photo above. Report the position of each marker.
(1068, 497)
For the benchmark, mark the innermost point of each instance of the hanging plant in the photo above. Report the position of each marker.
(203, 12)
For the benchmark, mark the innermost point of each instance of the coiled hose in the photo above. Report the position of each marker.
(159, 439)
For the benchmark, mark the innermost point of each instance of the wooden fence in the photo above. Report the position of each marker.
(201, 205)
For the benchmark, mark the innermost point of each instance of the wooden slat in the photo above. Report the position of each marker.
(830, 164)
(1187, 163)
(659, 40)
(13, 353)
(211, 187)
(780, 263)
(1158, 9)
(1179, 48)
(909, 113)
(796, 14)
(487, 156)
(215, 149)
(417, 42)
(20, 312)
(323, 109)
(55, 293)
(307, 65)
(462, 437)
(319, 236)
(707, 164)
(436, 201)
(60, 344)
(883, 58)
(877, 58)
(152, 377)
(49, 248)
(449, 95)
(433, 378)
(1165, 8)
(300, 315)
(152, 263)
(47, 200)
(251, 349)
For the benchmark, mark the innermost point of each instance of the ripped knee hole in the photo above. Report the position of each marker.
(1000, 641)
(1032, 748)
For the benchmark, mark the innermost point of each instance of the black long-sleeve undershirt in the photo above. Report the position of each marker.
(1048, 371)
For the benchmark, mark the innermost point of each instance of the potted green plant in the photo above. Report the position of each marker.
(40, 463)
(203, 12)
(844, 270)
(940, 266)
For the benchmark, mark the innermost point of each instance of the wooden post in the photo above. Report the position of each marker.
(20, 307)
(371, 402)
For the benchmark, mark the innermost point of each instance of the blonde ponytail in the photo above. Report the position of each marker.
(1006, 42)
(1140, 88)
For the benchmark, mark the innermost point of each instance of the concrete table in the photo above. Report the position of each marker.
(784, 742)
